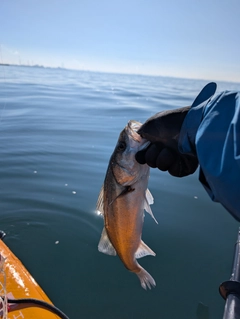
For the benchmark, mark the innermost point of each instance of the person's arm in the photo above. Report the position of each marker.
(209, 133)
(216, 143)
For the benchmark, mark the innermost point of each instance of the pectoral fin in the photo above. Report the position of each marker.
(99, 206)
(149, 201)
(143, 250)
(149, 197)
(105, 245)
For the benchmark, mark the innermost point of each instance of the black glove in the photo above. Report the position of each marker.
(163, 130)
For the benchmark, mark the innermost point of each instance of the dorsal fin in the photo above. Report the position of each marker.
(99, 206)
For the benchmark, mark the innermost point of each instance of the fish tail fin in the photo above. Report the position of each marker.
(146, 279)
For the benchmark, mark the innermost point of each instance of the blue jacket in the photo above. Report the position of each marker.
(211, 130)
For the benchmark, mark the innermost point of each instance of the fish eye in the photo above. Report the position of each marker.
(121, 146)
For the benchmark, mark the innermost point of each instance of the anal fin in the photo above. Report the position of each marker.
(144, 250)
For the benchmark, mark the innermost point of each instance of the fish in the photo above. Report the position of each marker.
(122, 200)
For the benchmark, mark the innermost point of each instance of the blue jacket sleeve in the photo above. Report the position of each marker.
(212, 131)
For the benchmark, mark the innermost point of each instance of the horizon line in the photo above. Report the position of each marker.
(115, 72)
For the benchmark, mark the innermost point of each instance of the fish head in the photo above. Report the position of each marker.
(125, 168)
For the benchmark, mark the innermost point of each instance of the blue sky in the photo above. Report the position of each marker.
(182, 38)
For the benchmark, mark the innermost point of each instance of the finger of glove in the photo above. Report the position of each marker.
(165, 159)
(184, 165)
(163, 126)
(140, 157)
(152, 151)
(151, 155)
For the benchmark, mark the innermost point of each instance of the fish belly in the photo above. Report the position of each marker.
(124, 229)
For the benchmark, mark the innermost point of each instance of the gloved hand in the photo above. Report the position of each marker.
(163, 130)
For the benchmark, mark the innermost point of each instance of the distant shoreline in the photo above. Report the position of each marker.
(26, 65)
(33, 66)
(96, 71)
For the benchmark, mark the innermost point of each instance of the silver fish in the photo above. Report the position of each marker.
(122, 200)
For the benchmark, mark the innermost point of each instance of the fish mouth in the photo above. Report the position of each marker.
(132, 129)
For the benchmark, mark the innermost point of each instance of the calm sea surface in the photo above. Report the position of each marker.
(58, 129)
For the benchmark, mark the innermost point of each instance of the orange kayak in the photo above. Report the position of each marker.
(19, 284)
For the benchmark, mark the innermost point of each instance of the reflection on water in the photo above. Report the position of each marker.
(58, 129)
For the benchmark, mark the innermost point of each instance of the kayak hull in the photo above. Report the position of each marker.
(20, 284)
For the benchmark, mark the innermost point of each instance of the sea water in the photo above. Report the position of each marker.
(58, 129)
